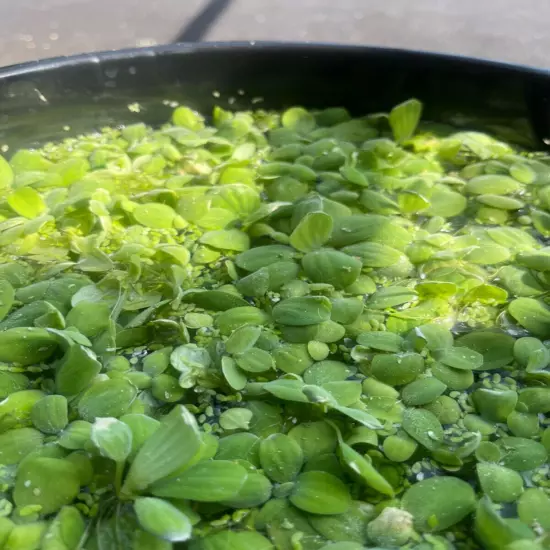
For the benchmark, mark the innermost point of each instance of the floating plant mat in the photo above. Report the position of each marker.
(295, 331)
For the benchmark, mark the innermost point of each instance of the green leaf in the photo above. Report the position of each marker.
(363, 417)
(6, 173)
(315, 438)
(316, 394)
(142, 427)
(27, 202)
(332, 267)
(11, 382)
(65, 531)
(170, 447)
(255, 491)
(532, 314)
(236, 419)
(383, 341)
(107, 398)
(281, 458)
(16, 409)
(49, 483)
(191, 361)
(345, 392)
(214, 300)
(162, 519)
(445, 203)
(500, 484)
(362, 467)
(522, 454)
(498, 201)
(342, 546)
(487, 254)
(154, 215)
(76, 435)
(18, 443)
(91, 319)
(494, 404)
(255, 360)
(312, 232)
(390, 297)
(256, 284)
(292, 358)
(227, 239)
(442, 289)
(461, 358)
(346, 527)
(327, 371)
(439, 502)
(423, 426)
(263, 256)
(307, 310)
(346, 310)
(78, 367)
(375, 254)
(486, 294)
(7, 296)
(287, 390)
(242, 339)
(397, 369)
(373, 201)
(299, 119)
(531, 353)
(234, 376)
(210, 481)
(26, 345)
(50, 414)
(422, 391)
(28, 315)
(495, 346)
(241, 199)
(534, 506)
(233, 540)
(112, 438)
(537, 400)
(404, 119)
(493, 184)
(240, 446)
(357, 228)
(492, 530)
(320, 493)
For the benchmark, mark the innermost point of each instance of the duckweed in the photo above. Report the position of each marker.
(275, 331)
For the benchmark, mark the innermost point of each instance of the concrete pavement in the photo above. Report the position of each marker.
(500, 29)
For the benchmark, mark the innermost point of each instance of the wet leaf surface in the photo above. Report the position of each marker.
(259, 330)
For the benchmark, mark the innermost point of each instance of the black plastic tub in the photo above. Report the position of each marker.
(50, 99)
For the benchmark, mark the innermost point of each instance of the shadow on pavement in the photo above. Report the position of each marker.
(196, 29)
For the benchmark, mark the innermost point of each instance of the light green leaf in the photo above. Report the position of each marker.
(162, 519)
(236, 419)
(154, 215)
(227, 239)
(404, 119)
(38, 483)
(6, 173)
(27, 202)
(112, 438)
(312, 232)
(210, 481)
(307, 310)
(332, 267)
(320, 493)
(171, 446)
(439, 502)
